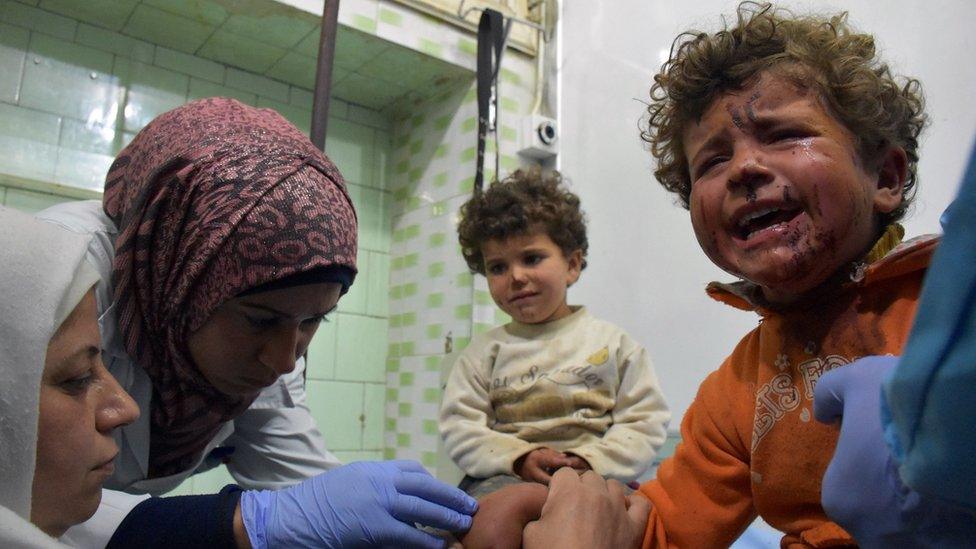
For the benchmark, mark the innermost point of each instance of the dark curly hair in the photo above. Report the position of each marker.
(525, 201)
(840, 63)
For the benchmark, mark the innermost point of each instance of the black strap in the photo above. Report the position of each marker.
(491, 43)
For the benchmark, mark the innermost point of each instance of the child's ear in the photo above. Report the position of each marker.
(892, 172)
(575, 261)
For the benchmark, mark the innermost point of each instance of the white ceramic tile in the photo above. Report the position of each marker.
(337, 407)
(322, 350)
(360, 348)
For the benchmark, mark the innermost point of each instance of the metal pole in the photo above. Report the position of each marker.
(323, 72)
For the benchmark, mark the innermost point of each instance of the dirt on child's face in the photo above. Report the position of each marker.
(779, 196)
(528, 276)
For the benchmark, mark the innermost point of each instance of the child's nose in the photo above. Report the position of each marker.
(748, 168)
(519, 274)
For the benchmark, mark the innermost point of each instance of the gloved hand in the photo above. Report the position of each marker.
(364, 504)
(862, 490)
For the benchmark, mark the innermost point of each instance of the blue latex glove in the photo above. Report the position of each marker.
(862, 490)
(364, 504)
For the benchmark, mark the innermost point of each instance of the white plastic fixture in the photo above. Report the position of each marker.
(539, 137)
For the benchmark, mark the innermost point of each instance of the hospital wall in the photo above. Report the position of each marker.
(651, 280)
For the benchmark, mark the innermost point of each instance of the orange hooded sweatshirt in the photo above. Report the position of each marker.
(750, 445)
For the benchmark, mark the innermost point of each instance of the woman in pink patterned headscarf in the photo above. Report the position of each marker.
(223, 240)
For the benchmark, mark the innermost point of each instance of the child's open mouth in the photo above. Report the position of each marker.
(754, 223)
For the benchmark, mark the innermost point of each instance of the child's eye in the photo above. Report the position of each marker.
(496, 269)
(709, 163)
(533, 259)
(77, 385)
(786, 134)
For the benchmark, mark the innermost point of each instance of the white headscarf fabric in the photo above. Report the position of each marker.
(43, 276)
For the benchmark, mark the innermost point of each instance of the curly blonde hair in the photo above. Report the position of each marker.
(840, 63)
(526, 201)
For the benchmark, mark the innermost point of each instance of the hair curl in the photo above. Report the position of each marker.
(518, 205)
(858, 89)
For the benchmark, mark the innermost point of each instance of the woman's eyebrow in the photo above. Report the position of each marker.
(84, 352)
(267, 308)
(280, 313)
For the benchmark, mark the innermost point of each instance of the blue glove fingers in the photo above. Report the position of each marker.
(409, 466)
(411, 509)
(428, 488)
(400, 535)
(828, 396)
(863, 377)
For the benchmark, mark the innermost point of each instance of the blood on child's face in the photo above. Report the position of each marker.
(779, 195)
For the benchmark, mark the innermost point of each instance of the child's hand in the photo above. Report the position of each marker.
(539, 464)
(577, 463)
(503, 514)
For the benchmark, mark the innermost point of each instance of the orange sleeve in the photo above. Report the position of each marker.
(702, 496)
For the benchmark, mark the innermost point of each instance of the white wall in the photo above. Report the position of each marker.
(647, 272)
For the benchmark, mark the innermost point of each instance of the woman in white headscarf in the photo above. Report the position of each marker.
(58, 403)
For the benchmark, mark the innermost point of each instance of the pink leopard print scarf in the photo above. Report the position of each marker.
(211, 199)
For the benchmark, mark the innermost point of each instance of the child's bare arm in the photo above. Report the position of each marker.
(503, 514)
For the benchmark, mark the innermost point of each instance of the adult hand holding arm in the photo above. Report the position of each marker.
(366, 504)
(588, 511)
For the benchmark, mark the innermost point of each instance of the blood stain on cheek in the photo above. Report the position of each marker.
(815, 200)
(823, 249)
(828, 242)
(751, 194)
